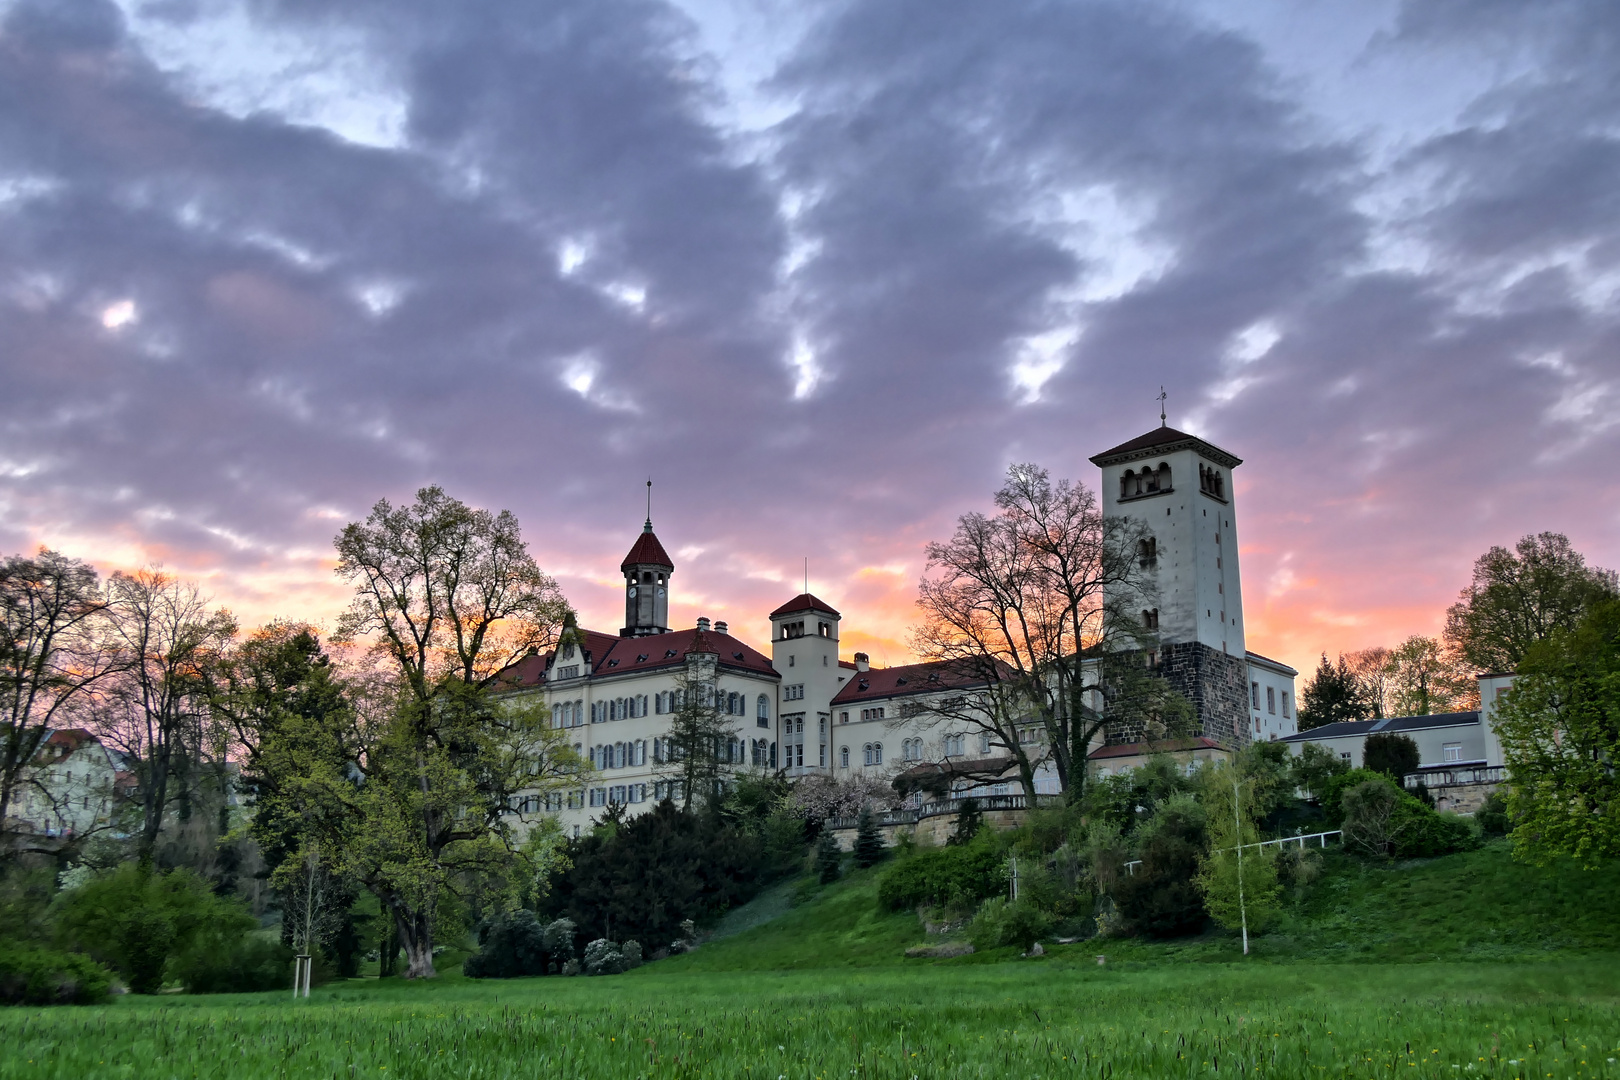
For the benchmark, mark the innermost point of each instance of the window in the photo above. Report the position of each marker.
(984, 744)
(1254, 695)
(1344, 755)
(866, 754)
(762, 709)
(843, 717)
(911, 749)
(617, 795)
(1285, 704)
(1271, 700)
(955, 745)
(568, 671)
(638, 793)
(1451, 751)
(1211, 482)
(793, 693)
(1147, 552)
(598, 796)
(843, 757)
(872, 714)
(1150, 619)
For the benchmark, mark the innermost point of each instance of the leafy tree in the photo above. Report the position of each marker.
(869, 847)
(50, 657)
(1315, 768)
(829, 858)
(1240, 885)
(1521, 597)
(1371, 667)
(152, 708)
(1391, 753)
(1333, 694)
(1424, 678)
(1560, 732)
(653, 871)
(1161, 898)
(1017, 601)
(447, 596)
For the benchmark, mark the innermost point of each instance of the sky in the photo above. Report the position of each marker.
(822, 271)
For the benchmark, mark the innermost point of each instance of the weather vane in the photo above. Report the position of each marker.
(1161, 399)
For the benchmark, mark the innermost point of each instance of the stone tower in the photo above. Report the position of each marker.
(1180, 487)
(647, 570)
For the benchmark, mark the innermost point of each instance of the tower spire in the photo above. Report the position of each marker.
(1161, 399)
(647, 525)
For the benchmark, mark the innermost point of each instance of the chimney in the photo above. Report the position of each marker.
(863, 662)
(720, 628)
(703, 626)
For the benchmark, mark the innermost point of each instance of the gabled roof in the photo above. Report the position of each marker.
(1347, 728)
(1163, 440)
(610, 655)
(805, 602)
(1276, 665)
(647, 551)
(905, 679)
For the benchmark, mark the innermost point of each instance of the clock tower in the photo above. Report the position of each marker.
(647, 570)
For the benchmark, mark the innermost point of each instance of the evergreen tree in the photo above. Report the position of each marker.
(1392, 754)
(868, 841)
(702, 747)
(829, 858)
(1333, 694)
(969, 820)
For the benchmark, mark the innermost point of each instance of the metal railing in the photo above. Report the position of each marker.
(952, 806)
(1319, 837)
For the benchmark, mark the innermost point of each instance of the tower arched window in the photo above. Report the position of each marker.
(762, 710)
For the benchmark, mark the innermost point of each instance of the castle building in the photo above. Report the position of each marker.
(805, 710)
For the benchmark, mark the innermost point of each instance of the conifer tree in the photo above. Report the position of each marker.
(829, 858)
(868, 841)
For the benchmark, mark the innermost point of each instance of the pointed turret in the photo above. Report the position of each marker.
(647, 570)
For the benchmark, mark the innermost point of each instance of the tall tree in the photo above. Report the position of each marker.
(1518, 598)
(1424, 678)
(1372, 671)
(50, 655)
(700, 747)
(1015, 602)
(1560, 732)
(1333, 694)
(163, 637)
(447, 596)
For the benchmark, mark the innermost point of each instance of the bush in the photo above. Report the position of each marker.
(1422, 833)
(1493, 816)
(35, 976)
(953, 877)
(137, 920)
(510, 944)
(602, 957)
(1332, 795)
(1021, 923)
(1161, 899)
(1382, 820)
(1389, 753)
(248, 965)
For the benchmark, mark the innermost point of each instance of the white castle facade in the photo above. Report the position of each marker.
(804, 709)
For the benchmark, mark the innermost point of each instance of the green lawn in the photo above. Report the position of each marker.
(1528, 985)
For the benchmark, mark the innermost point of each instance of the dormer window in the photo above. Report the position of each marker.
(642, 659)
(668, 653)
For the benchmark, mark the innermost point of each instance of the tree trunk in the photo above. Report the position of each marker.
(416, 935)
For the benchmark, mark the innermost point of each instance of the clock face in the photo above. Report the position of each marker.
(632, 592)
(660, 593)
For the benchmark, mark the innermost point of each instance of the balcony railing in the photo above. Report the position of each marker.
(1467, 774)
(944, 806)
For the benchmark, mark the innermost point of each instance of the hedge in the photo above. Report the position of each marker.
(31, 976)
(957, 877)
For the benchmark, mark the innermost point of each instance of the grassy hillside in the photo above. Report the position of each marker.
(1480, 905)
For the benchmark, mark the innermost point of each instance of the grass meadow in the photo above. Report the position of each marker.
(1503, 972)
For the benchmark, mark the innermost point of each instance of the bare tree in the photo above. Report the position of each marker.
(1370, 667)
(1017, 603)
(162, 636)
(50, 656)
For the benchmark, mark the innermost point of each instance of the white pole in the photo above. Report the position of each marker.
(1237, 820)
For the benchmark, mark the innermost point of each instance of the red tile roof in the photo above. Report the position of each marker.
(647, 551)
(1165, 439)
(905, 679)
(805, 602)
(609, 654)
(1169, 746)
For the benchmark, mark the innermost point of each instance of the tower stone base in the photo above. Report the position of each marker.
(1217, 685)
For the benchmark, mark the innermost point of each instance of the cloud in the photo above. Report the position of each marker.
(264, 262)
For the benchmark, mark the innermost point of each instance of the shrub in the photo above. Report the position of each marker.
(35, 976)
(1021, 923)
(602, 957)
(1390, 753)
(1369, 817)
(510, 944)
(1382, 820)
(869, 849)
(247, 965)
(954, 877)
(1332, 795)
(1161, 899)
(1493, 816)
(138, 920)
(1422, 833)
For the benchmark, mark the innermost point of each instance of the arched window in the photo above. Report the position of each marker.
(762, 710)
(877, 753)
(866, 754)
(1147, 552)
(1164, 476)
(1125, 483)
(843, 757)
